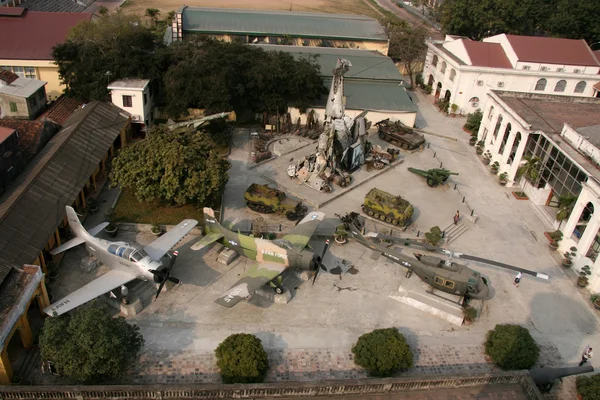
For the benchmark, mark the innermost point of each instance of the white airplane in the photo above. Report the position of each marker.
(127, 261)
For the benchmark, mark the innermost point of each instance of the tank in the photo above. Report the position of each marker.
(388, 208)
(266, 200)
(399, 135)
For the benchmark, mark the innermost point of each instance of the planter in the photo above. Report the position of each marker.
(111, 230)
(520, 196)
(479, 150)
(156, 232)
(472, 142)
(567, 263)
(553, 246)
(53, 274)
(494, 171)
(467, 131)
(597, 304)
(93, 209)
(486, 161)
(503, 182)
(582, 282)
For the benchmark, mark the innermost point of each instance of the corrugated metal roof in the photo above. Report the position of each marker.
(279, 23)
(366, 64)
(34, 204)
(373, 96)
(72, 6)
(22, 87)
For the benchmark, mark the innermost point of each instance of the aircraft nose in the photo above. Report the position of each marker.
(486, 292)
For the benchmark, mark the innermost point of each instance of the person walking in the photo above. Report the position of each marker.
(587, 354)
(518, 279)
(456, 217)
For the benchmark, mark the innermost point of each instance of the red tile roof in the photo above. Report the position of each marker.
(32, 35)
(30, 133)
(484, 54)
(8, 76)
(61, 110)
(552, 50)
(5, 133)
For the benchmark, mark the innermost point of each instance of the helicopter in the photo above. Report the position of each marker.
(440, 274)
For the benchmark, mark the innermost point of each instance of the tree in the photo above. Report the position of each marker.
(118, 44)
(219, 76)
(565, 207)
(382, 352)
(588, 387)
(89, 346)
(511, 347)
(242, 359)
(575, 19)
(407, 45)
(153, 14)
(174, 167)
(530, 170)
(102, 10)
(474, 121)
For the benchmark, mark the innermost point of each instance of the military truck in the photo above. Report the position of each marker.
(399, 134)
(266, 200)
(388, 208)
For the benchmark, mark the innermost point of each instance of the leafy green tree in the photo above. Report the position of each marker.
(407, 45)
(511, 347)
(474, 121)
(113, 47)
(242, 359)
(153, 14)
(174, 167)
(575, 19)
(219, 76)
(102, 10)
(588, 387)
(530, 170)
(383, 352)
(89, 346)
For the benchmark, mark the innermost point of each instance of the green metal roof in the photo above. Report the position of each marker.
(279, 23)
(366, 64)
(373, 96)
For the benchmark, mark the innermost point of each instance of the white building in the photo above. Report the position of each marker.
(563, 133)
(134, 96)
(462, 70)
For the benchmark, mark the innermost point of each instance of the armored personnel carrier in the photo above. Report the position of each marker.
(387, 207)
(399, 134)
(266, 200)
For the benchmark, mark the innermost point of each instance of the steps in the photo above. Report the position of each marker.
(430, 304)
(453, 232)
(544, 217)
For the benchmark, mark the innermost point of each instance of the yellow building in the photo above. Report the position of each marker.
(27, 41)
(70, 169)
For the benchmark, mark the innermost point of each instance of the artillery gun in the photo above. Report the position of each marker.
(434, 176)
(266, 200)
(388, 208)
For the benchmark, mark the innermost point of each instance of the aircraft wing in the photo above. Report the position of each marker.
(258, 275)
(103, 284)
(160, 246)
(301, 233)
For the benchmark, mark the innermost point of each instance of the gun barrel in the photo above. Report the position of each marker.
(548, 375)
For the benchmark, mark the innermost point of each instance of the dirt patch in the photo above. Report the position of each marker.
(326, 6)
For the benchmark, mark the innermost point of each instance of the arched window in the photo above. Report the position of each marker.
(515, 146)
(560, 86)
(444, 65)
(474, 102)
(580, 87)
(541, 84)
(584, 218)
(491, 113)
(505, 138)
(452, 74)
(434, 61)
(497, 128)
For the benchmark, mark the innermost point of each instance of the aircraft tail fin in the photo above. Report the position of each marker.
(75, 224)
(211, 224)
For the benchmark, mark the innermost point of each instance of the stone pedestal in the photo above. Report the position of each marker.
(283, 298)
(89, 263)
(132, 308)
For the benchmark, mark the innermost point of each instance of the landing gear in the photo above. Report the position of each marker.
(276, 286)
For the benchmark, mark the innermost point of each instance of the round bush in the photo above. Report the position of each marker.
(589, 387)
(242, 359)
(511, 347)
(382, 352)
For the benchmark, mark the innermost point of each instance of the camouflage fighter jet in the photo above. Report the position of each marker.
(271, 257)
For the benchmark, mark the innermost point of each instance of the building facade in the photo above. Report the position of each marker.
(136, 97)
(463, 71)
(558, 138)
(280, 28)
(11, 159)
(24, 98)
(27, 41)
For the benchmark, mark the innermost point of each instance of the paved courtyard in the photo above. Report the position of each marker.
(311, 337)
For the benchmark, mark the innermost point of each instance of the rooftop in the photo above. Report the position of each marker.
(5, 133)
(280, 23)
(483, 54)
(366, 64)
(7, 76)
(34, 204)
(129, 83)
(32, 134)
(71, 6)
(22, 87)
(592, 133)
(61, 109)
(32, 35)
(552, 50)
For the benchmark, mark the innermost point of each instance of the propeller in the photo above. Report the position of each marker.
(165, 274)
(320, 264)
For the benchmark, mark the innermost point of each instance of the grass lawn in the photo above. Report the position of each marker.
(130, 209)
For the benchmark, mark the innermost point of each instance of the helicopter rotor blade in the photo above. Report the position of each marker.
(505, 266)
(320, 263)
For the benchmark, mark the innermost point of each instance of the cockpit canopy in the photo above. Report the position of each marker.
(128, 253)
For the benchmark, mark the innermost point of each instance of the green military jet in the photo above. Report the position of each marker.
(271, 257)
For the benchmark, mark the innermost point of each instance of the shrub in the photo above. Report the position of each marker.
(434, 236)
(474, 121)
(419, 80)
(242, 359)
(511, 347)
(589, 387)
(428, 89)
(382, 352)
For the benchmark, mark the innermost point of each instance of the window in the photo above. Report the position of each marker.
(449, 284)
(127, 101)
(560, 86)
(444, 65)
(491, 113)
(434, 62)
(540, 85)
(144, 98)
(505, 138)
(452, 74)
(13, 107)
(439, 280)
(19, 71)
(580, 87)
(30, 73)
